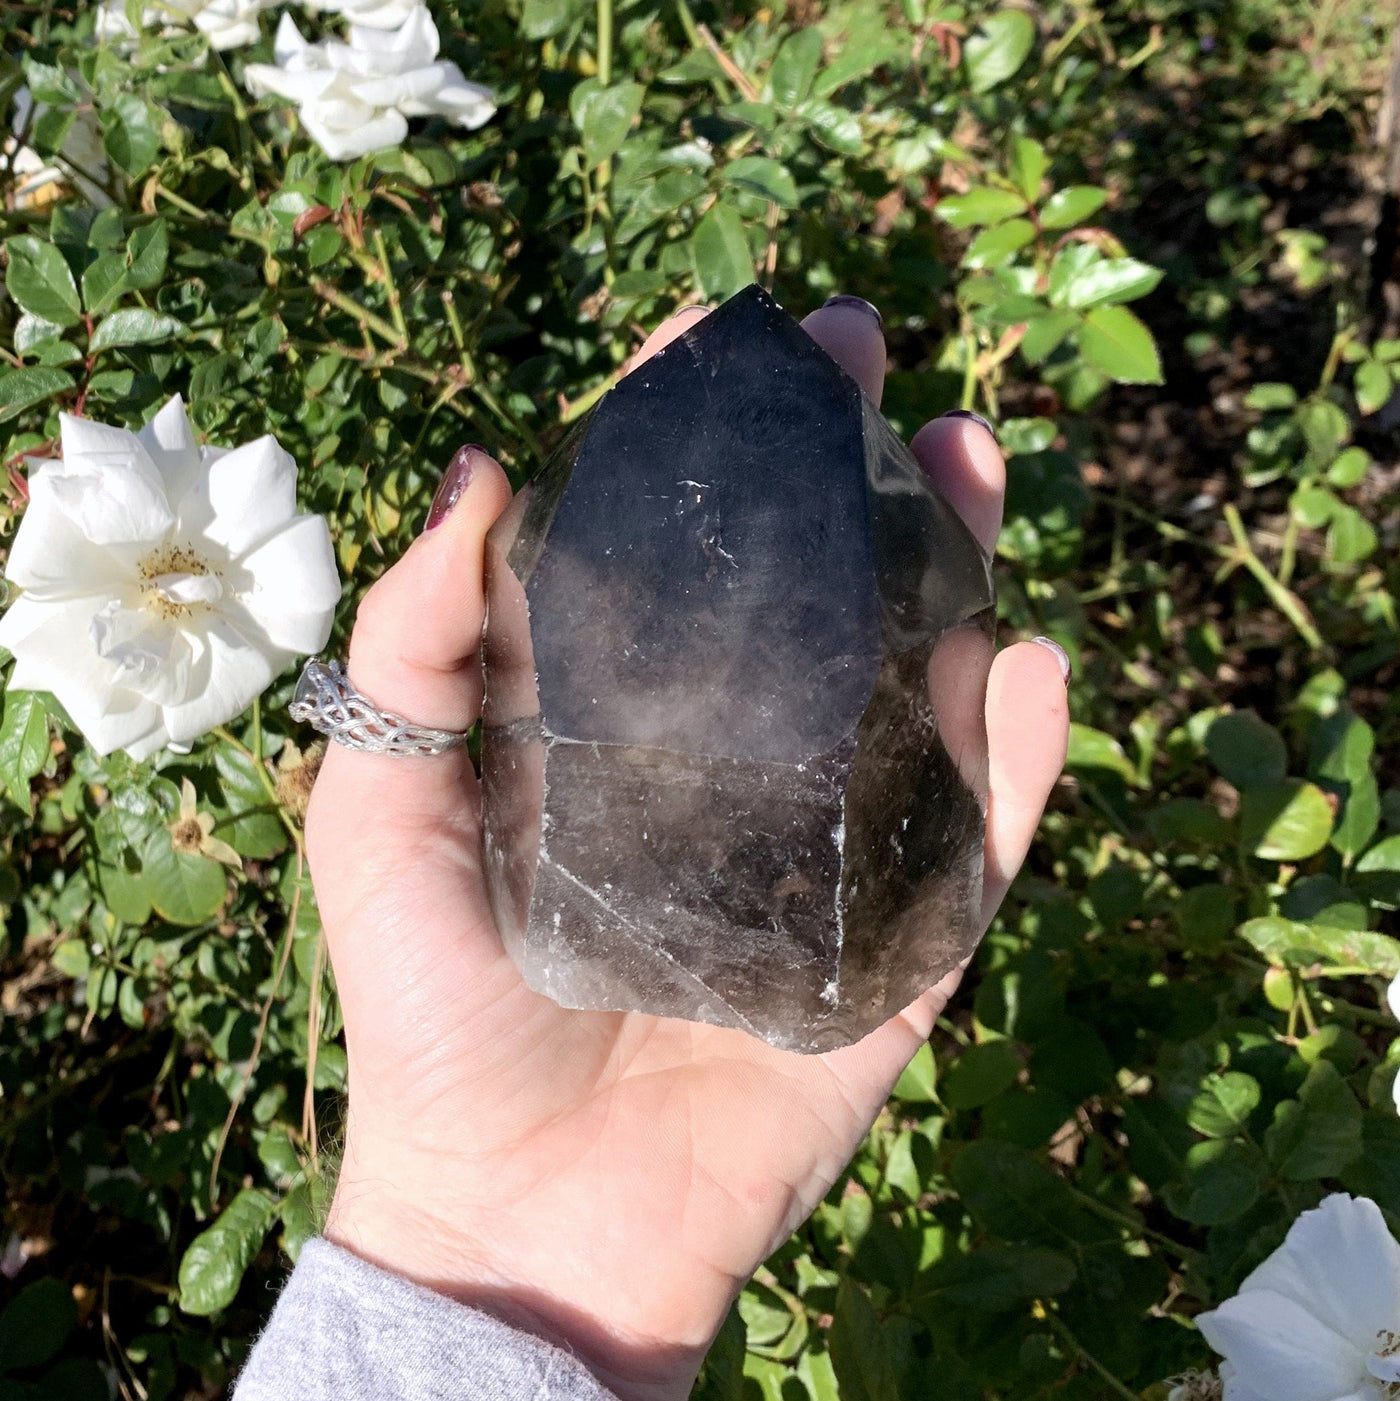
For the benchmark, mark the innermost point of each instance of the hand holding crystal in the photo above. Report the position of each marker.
(608, 1180)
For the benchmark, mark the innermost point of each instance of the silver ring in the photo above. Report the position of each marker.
(327, 702)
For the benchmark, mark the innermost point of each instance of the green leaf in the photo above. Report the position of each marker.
(918, 1083)
(1027, 166)
(40, 281)
(723, 263)
(1222, 1107)
(1072, 205)
(1288, 942)
(1188, 821)
(183, 887)
(980, 205)
(790, 78)
(302, 1211)
(980, 1074)
(762, 175)
(1116, 342)
(860, 1353)
(1271, 396)
(543, 19)
(213, 1265)
(998, 49)
(104, 280)
(1285, 821)
(1312, 506)
(1016, 1197)
(1319, 1133)
(1372, 386)
(24, 743)
(1324, 427)
(998, 1277)
(994, 246)
(1045, 333)
(1220, 1180)
(124, 893)
(1110, 280)
(854, 59)
(36, 1324)
(604, 116)
(833, 127)
(255, 830)
(146, 252)
(1349, 469)
(1351, 538)
(133, 326)
(131, 133)
(1247, 750)
(1093, 749)
(21, 389)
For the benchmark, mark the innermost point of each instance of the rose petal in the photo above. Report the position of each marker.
(55, 653)
(243, 496)
(1341, 1263)
(226, 677)
(108, 486)
(1280, 1350)
(169, 441)
(387, 129)
(151, 658)
(294, 585)
(414, 43)
(52, 558)
(296, 85)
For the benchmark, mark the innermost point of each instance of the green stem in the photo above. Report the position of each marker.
(605, 42)
(969, 389)
(366, 318)
(395, 305)
(1117, 1387)
(1283, 599)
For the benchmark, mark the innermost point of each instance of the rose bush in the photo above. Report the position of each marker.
(1130, 234)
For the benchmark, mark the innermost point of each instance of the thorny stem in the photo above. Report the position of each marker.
(395, 304)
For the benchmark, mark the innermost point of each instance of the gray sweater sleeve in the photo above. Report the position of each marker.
(344, 1330)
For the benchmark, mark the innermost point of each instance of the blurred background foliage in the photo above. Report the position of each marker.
(1175, 1037)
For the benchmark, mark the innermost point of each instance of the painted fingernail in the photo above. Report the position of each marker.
(857, 304)
(1061, 655)
(454, 482)
(976, 418)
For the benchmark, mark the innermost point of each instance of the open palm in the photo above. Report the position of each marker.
(607, 1180)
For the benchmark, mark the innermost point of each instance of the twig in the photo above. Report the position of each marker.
(283, 956)
(735, 74)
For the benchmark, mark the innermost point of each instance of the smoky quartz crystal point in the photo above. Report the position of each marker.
(733, 752)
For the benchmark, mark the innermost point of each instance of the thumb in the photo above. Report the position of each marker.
(414, 654)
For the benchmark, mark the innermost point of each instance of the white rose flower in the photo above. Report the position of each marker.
(227, 24)
(357, 97)
(165, 585)
(1319, 1320)
(373, 14)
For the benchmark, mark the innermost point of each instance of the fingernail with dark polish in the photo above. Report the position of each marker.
(975, 417)
(454, 482)
(1061, 655)
(858, 304)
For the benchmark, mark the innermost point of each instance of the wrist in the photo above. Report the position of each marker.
(651, 1359)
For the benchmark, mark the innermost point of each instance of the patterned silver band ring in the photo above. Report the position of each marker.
(327, 702)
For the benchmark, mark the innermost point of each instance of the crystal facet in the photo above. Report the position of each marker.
(733, 752)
